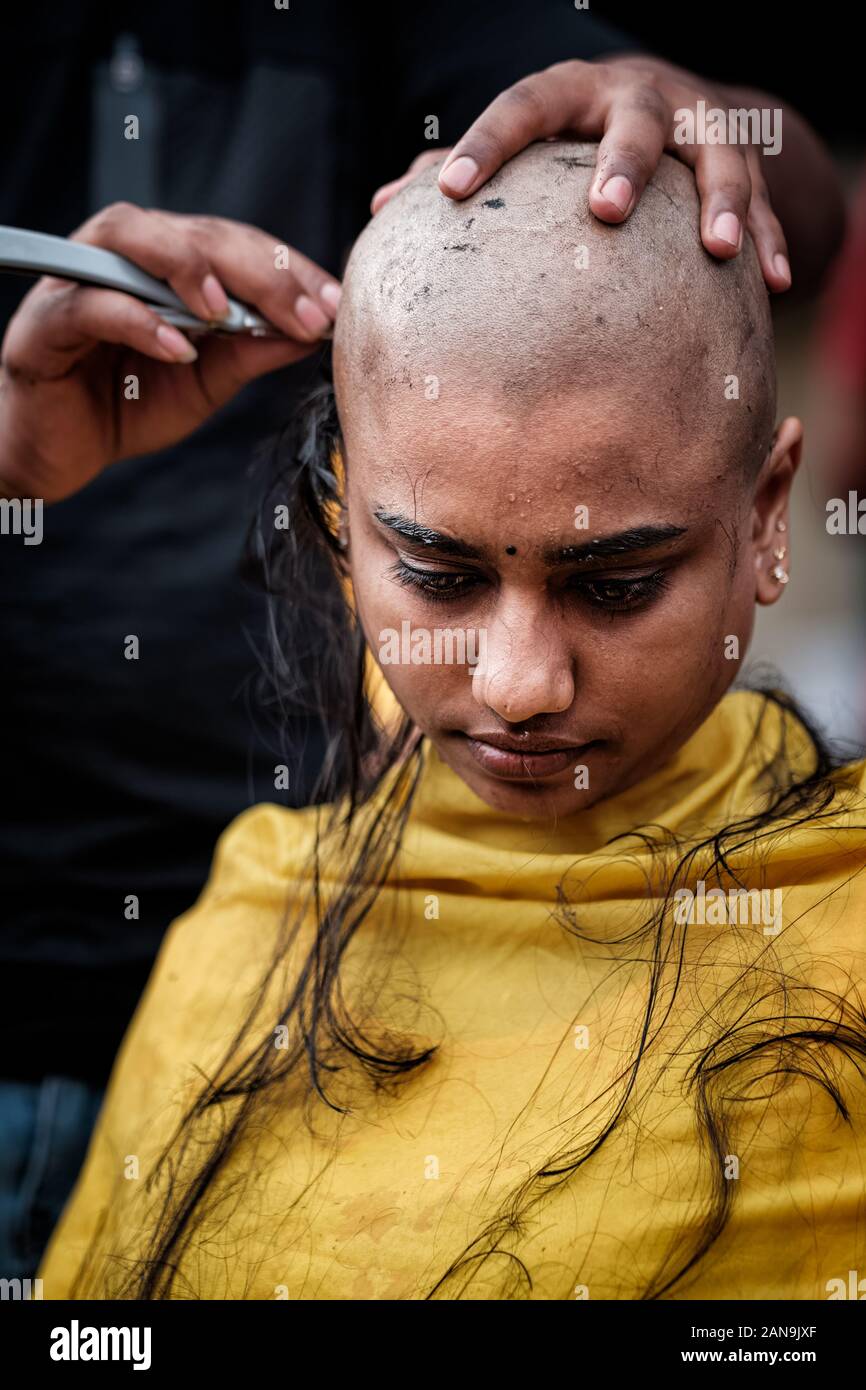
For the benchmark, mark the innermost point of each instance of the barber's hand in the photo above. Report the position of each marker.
(628, 104)
(69, 349)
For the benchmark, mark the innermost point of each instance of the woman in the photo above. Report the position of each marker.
(558, 993)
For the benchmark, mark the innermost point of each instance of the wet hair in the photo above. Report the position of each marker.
(520, 294)
(770, 1027)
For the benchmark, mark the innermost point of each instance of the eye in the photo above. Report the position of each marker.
(434, 584)
(622, 595)
(611, 595)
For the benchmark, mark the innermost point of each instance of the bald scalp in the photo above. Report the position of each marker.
(520, 293)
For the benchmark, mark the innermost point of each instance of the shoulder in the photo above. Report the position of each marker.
(259, 867)
(263, 846)
(217, 951)
(204, 982)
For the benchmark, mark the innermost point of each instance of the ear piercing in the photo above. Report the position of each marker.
(778, 573)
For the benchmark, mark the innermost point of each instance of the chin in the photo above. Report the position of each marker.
(532, 802)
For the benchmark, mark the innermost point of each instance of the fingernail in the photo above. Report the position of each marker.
(727, 228)
(214, 296)
(460, 175)
(781, 267)
(311, 315)
(331, 294)
(176, 345)
(618, 191)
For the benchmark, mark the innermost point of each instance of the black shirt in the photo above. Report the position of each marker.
(119, 775)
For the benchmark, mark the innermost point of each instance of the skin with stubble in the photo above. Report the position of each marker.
(559, 434)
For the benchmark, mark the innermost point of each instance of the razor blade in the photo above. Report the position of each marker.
(37, 253)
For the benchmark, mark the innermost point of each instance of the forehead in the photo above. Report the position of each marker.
(474, 466)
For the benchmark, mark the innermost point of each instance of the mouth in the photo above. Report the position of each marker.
(525, 760)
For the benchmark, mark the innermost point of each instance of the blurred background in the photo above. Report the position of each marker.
(816, 635)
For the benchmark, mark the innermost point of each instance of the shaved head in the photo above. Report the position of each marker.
(561, 451)
(520, 293)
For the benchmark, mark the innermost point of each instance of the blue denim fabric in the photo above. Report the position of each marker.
(45, 1128)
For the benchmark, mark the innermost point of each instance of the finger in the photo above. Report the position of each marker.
(290, 290)
(161, 245)
(386, 191)
(202, 257)
(766, 229)
(725, 189)
(421, 161)
(46, 338)
(545, 103)
(629, 152)
(227, 363)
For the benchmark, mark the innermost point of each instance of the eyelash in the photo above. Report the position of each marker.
(633, 593)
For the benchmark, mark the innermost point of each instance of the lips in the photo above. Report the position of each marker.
(529, 759)
(531, 743)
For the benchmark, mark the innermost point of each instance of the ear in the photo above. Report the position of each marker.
(771, 535)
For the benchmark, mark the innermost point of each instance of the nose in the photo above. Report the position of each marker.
(524, 668)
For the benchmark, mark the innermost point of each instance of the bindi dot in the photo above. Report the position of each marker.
(511, 550)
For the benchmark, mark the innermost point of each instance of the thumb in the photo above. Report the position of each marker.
(225, 364)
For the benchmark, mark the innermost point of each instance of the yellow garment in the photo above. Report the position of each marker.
(534, 1025)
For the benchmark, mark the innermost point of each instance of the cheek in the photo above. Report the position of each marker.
(384, 606)
(426, 693)
(730, 616)
(719, 606)
(674, 660)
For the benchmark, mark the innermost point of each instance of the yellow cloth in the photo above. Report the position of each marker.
(533, 1024)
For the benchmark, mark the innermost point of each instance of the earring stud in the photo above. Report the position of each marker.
(780, 575)
(779, 553)
(780, 526)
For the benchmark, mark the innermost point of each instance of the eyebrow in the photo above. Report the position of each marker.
(636, 538)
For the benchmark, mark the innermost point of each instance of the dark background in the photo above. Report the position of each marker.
(807, 54)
